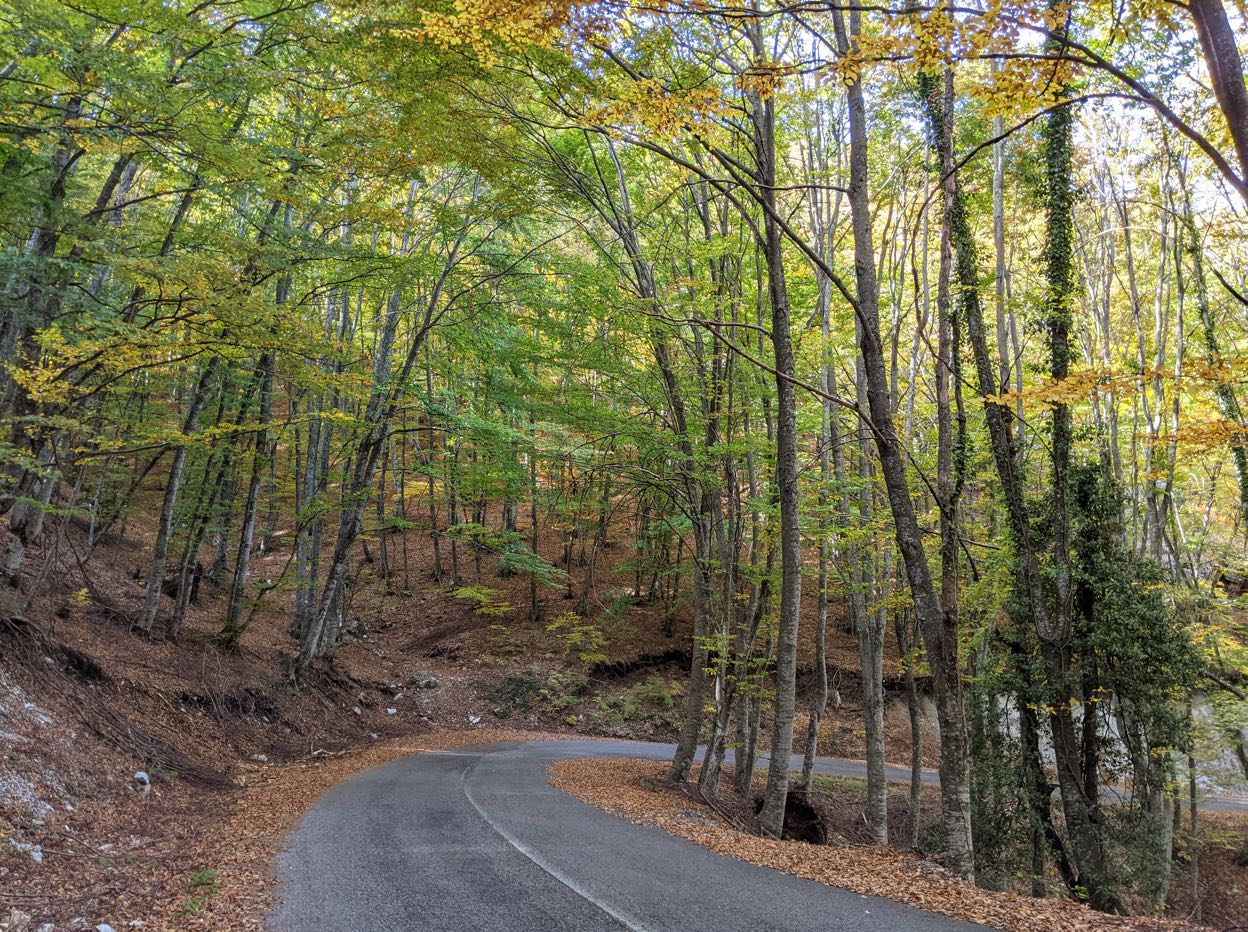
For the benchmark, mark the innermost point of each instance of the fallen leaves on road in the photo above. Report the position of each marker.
(635, 791)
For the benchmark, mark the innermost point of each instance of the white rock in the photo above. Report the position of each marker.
(260, 758)
(141, 778)
(357, 710)
(474, 719)
(392, 711)
(35, 851)
(38, 715)
(104, 927)
(17, 792)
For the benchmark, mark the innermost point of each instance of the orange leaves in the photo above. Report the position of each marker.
(1076, 387)
(636, 791)
(1211, 434)
(1011, 35)
(935, 40)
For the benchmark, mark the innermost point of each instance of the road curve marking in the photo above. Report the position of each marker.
(628, 921)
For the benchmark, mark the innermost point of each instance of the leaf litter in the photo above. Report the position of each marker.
(638, 791)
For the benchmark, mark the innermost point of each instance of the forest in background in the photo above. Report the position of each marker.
(940, 310)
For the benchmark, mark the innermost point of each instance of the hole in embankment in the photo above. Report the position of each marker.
(802, 821)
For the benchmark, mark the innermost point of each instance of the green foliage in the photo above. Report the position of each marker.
(999, 807)
(513, 554)
(582, 638)
(204, 886)
(515, 693)
(652, 703)
(562, 690)
(204, 878)
(194, 905)
(1133, 664)
(397, 523)
(530, 690)
(1142, 651)
(399, 272)
(487, 602)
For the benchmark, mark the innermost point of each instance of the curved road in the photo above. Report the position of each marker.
(477, 839)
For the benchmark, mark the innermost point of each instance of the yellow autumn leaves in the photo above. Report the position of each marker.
(1199, 430)
(925, 39)
(662, 111)
(483, 26)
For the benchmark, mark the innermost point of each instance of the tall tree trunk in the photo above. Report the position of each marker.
(941, 642)
(1220, 46)
(869, 631)
(1074, 772)
(1228, 401)
(762, 114)
(164, 528)
(232, 631)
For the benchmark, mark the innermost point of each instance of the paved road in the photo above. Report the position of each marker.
(477, 839)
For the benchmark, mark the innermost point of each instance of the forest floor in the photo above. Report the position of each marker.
(637, 790)
(149, 784)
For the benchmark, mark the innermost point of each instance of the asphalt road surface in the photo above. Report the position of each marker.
(477, 839)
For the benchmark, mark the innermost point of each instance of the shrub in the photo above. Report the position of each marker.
(651, 702)
(489, 602)
(527, 691)
(582, 638)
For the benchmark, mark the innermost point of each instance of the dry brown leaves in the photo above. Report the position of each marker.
(633, 790)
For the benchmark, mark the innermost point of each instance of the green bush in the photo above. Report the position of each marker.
(582, 638)
(651, 702)
(516, 693)
(530, 691)
(563, 690)
(488, 602)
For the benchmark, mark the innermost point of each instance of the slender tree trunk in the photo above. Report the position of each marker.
(906, 644)
(940, 640)
(164, 528)
(1073, 771)
(232, 631)
(771, 818)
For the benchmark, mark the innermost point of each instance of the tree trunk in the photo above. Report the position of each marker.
(941, 642)
(771, 818)
(164, 528)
